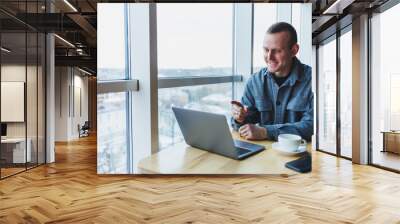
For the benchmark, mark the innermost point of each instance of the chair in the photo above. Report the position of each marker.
(84, 130)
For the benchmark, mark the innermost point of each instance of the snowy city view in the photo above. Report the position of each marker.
(209, 98)
(213, 98)
(112, 137)
(199, 44)
(112, 133)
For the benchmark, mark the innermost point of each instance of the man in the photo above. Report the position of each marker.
(277, 99)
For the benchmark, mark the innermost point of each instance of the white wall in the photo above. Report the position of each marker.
(14, 72)
(62, 81)
(70, 83)
(80, 83)
(33, 126)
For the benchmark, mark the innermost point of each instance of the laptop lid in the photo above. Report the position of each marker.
(206, 131)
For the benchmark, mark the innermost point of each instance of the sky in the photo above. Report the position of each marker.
(190, 35)
(110, 36)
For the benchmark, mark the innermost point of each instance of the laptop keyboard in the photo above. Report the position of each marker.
(242, 144)
(243, 147)
(242, 151)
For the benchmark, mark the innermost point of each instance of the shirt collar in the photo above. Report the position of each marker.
(294, 74)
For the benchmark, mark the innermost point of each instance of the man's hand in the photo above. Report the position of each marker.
(253, 132)
(238, 113)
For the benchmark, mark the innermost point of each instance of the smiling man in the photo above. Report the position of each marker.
(278, 99)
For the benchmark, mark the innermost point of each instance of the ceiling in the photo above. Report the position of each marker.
(78, 27)
(76, 22)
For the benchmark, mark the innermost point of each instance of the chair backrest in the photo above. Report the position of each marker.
(86, 125)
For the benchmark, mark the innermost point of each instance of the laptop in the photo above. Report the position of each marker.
(210, 132)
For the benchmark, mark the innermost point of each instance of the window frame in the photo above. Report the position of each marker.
(127, 85)
(331, 38)
(379, 10)
(334, 37)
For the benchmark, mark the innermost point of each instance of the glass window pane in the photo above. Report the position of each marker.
(112, 133)
(213, 98)
(32, 98)
(346, 94)
(111, 42)
(327, 97)
(13, 82)
(41, 99)
(296, 18)
(394, 101)
(264, 17)
(198, 43)
(385, 88)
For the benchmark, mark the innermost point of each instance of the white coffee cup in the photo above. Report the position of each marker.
(290, 142)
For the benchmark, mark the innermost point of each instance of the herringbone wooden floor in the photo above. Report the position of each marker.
(70, 191)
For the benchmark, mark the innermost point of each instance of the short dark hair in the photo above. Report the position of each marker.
(284, 27)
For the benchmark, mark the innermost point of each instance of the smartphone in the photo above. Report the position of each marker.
(237, 103)
(302, 165)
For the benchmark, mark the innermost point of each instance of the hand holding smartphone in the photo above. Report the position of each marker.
(239, 111)
(237, 103)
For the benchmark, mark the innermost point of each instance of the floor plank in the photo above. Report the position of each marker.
(386, 159)
(70, 191)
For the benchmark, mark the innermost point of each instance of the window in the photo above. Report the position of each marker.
(199, 44)
(210, 98)
(385, 85)
(296, 17)
(335, 74)
(112, 107)
(264, 17)
(327, 96)
(112, 133)
(394, 101)
(111, 40)
(346, 94)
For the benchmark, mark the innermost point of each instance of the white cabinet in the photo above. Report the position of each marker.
(17, 147)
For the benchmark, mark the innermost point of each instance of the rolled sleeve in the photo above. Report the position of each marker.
(247, 100)
(272, 131)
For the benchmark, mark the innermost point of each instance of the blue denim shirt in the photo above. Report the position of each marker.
(280, 109)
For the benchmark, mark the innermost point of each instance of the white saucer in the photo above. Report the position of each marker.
(277, 147)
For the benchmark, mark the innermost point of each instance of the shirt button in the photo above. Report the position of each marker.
(278, 103)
